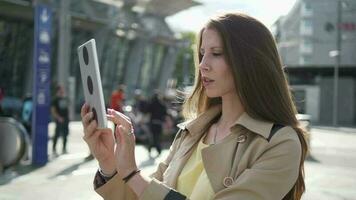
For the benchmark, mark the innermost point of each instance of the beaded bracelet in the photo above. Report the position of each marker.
(132, 174)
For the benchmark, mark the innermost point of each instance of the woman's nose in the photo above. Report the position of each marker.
(203, 65)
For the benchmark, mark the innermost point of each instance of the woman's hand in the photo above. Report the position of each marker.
(100, 142)
(125, 143)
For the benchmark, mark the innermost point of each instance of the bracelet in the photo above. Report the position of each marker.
(106, 176)
(132, 174)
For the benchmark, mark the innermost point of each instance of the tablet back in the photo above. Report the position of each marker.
(90, 73)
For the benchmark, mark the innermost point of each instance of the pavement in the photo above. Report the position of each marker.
(330, 171)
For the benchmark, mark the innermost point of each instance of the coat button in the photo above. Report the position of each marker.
(228, 181)
(241, 138)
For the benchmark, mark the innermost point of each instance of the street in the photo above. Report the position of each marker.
(330, 172)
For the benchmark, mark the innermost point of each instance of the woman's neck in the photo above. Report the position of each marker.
(232, 109)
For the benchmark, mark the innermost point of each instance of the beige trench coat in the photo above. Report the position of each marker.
(251, 163)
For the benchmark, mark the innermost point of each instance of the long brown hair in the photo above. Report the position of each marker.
(260, 82)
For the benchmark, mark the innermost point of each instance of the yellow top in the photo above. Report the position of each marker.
(193, 181)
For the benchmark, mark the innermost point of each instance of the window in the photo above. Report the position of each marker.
(306, 27)
(306, 46)
(305, 60)
(306, 10)
(307, 23)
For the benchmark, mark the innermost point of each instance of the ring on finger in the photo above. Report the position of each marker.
(131, 132)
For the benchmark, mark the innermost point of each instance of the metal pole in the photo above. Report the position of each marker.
(63, 55)
(337, 63)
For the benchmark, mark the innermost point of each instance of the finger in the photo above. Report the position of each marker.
(107, 132)
(119, 119)
(87, 118)
(117, 113)
(94, 136)
(114, 112)
(118, 137)
(84, 110)
(90, 129)
(125, 134)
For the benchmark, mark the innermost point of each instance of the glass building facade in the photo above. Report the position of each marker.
(134, 48)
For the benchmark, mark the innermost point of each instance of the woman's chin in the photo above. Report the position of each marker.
(212, 94)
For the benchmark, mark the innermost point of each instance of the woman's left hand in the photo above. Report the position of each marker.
(125, 143)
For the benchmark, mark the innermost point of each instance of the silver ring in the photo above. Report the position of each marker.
(131, 131)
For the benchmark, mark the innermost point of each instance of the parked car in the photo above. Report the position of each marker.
(304, 119)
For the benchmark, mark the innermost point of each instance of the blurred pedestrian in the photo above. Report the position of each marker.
(241, 140)
(118, 98)
(157, 111)
(141, 103)
(59, 110)
(26, 116)
(140, 119)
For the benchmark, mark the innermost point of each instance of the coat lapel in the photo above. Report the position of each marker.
(193, 130)
(217, 159)
(173, 171)
(196, 129)
(182, 156)
(213, 157)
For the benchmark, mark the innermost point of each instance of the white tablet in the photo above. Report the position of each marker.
(93, 91)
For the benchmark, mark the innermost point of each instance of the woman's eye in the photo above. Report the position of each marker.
(217, 54)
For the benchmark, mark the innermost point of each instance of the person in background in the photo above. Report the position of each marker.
(241, 139)
(140, 119)
(118, 98)
(26, 117)
(140, 102)
(158, 112)
(60, 114)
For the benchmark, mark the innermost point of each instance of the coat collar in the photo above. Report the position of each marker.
(198, 124)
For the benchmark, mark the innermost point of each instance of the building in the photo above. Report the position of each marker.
(135, 45)
(308, 38)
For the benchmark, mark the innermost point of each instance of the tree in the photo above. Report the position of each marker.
(185, 60)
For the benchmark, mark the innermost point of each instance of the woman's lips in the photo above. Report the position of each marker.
(207, 81)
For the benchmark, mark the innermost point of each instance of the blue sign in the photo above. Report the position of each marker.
(41, 83)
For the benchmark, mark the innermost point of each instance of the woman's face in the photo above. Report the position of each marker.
(216, 75)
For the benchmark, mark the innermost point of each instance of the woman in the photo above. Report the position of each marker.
(242, 141)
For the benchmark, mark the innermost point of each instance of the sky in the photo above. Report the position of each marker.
(192, 19)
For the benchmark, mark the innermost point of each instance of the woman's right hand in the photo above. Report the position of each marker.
(100, 142)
